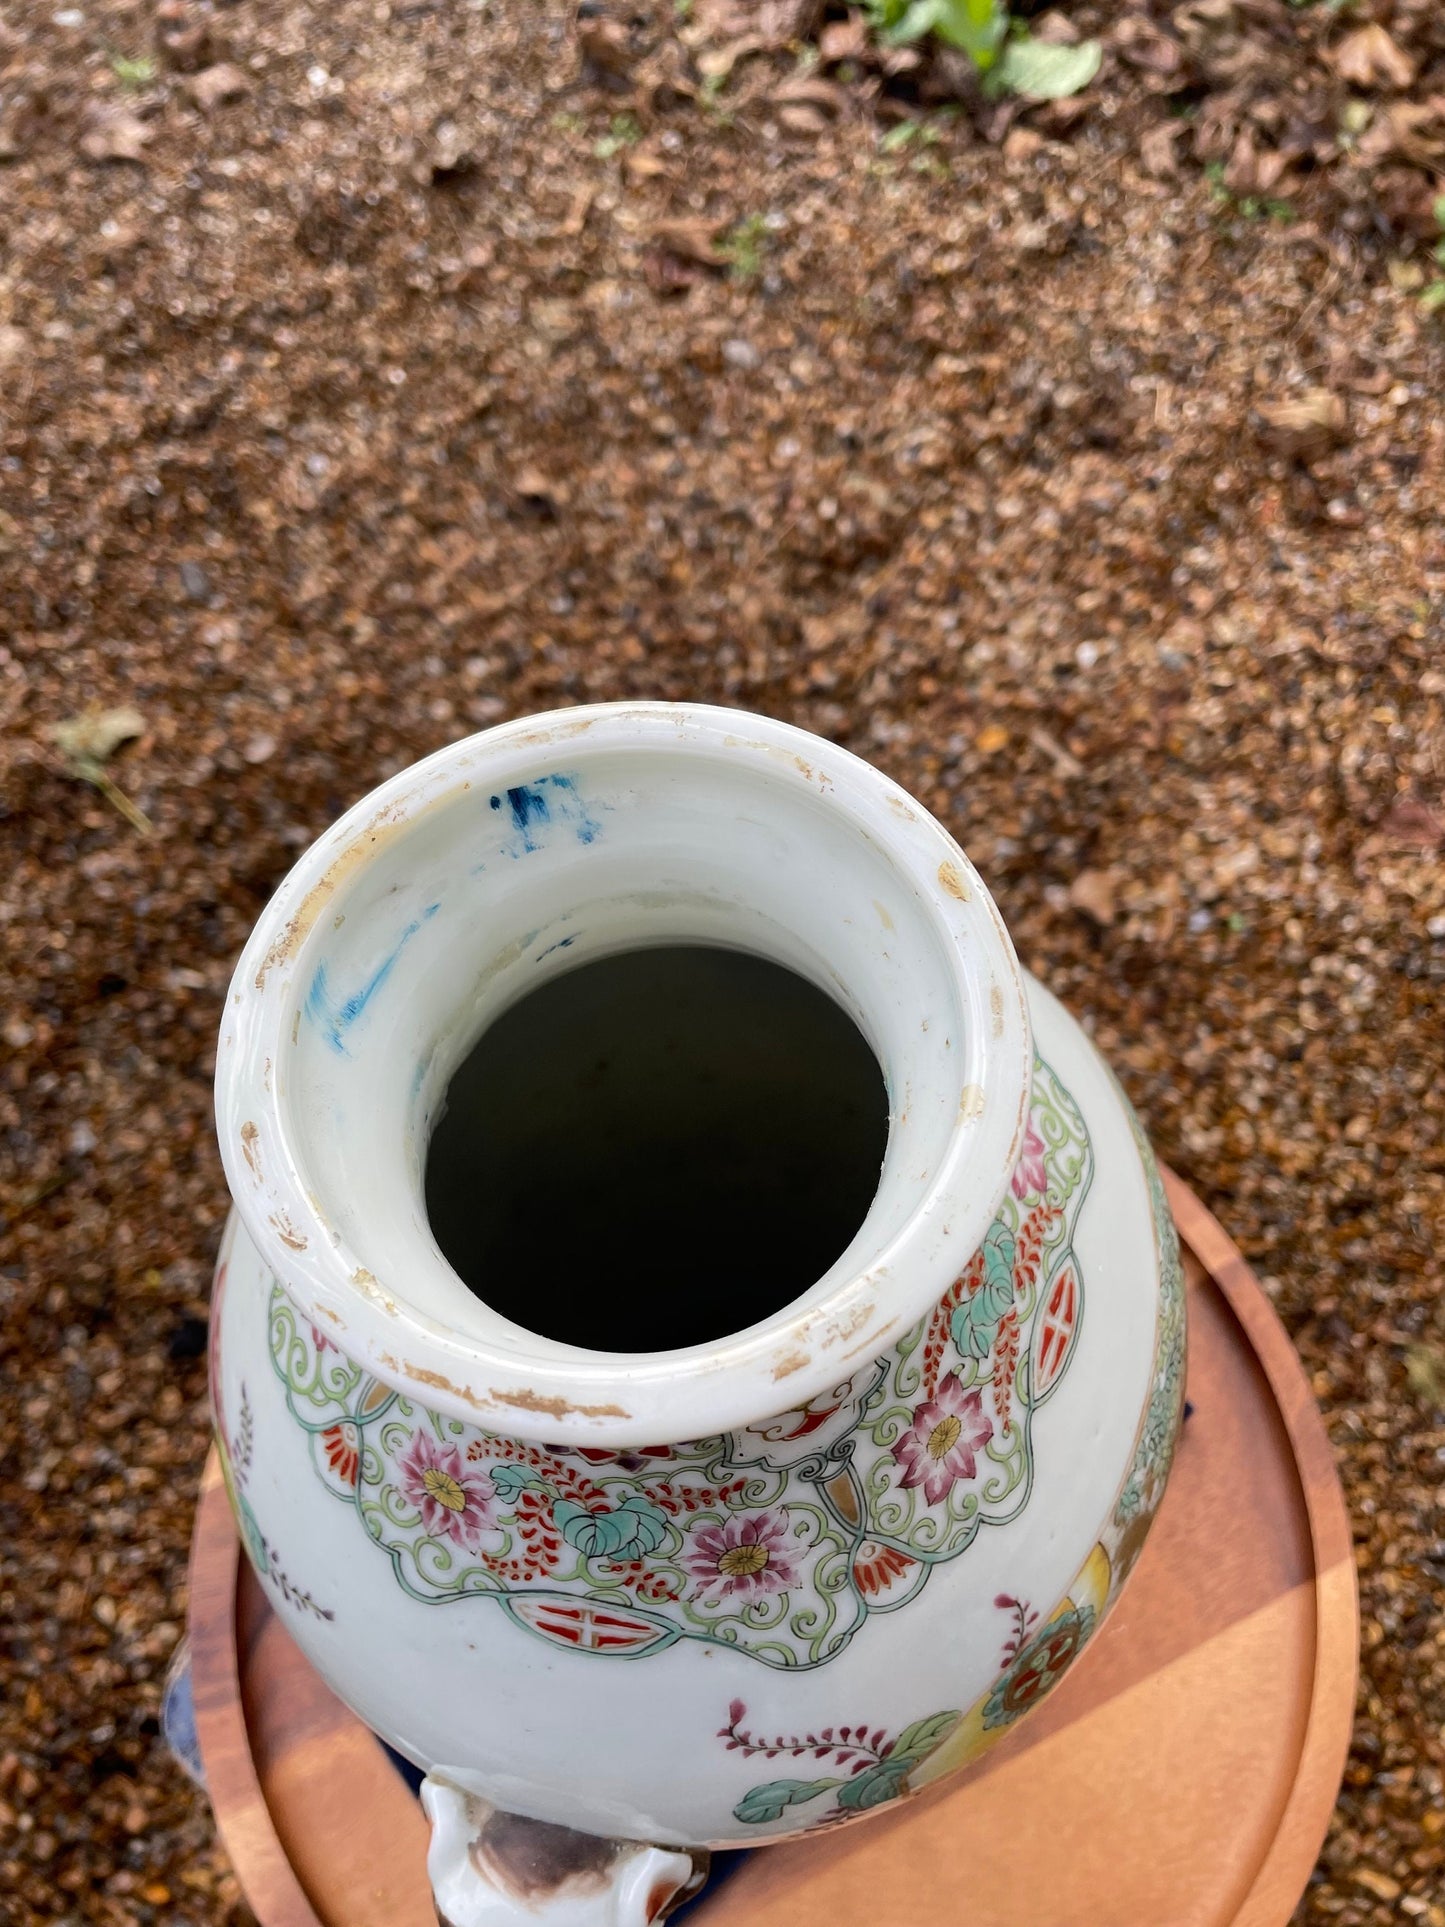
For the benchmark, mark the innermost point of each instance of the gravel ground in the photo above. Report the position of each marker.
(404, 378)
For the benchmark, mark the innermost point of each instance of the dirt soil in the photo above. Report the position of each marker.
(372, 372)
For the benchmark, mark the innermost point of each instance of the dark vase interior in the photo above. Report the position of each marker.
(657, 1148)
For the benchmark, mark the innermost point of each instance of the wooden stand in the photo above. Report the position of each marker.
(1181, 1776)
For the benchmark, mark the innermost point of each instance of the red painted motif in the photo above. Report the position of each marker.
(586, 1628)
(1056, 1330)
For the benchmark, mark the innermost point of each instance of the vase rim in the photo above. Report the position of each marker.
(563, 1394)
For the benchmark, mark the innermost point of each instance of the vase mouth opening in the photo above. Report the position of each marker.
(516, 856)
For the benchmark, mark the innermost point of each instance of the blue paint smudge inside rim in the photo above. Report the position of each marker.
(334, 1018)
(535, 808)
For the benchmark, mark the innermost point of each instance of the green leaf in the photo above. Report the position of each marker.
(917, 1741)
(773, 1797)
(916, 20)
(1000, 1248)
(1047, 70)
(138, 72)
(509, 1480)
(975, 1322)
(1438, 209)
(649, 1527)
(975, 27)
(635, 1527)
(879, 1784)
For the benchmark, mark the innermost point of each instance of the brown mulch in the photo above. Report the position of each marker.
(372, 372)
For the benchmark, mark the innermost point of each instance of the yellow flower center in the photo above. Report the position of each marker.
(944, 1436)
(442, 1487)
(741, 1561)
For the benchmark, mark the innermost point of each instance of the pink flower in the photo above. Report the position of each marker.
(1029, 1173)
(938, 1448)
(454, 1499)
(747, 1556)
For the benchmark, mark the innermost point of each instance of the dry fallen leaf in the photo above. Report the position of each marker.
(1146, 46)
(825, 97)
(1307, 425)
(1093, 892)
(216, 85)
(20, 118)
(697, 241)
(96, 734)
(1251, 169)
(1156, 150)
(112, 133)
(844, 39)
(88, 741)
(780, 22)
(1425, 1370)
(718, 62)
(1368, 57)
(13, 344)
(1413, 129)
(1411, 824)
(643, 164)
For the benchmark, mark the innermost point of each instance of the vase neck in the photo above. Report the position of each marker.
(474, 877)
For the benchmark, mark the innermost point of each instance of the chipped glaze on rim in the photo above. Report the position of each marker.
(558, 1393)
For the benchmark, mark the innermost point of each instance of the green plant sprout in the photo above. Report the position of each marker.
(133, 74)
(625, 131)
(1001, 48)
(1434, 294)
(1253, 207)
(742, 247)
(906, 132)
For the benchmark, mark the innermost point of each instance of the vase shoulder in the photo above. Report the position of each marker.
(848, 1552)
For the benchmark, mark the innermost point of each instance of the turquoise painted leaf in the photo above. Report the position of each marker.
(915, 1742)
(879, 1784)
(509, 1480)
(650, 1524)
(770, 1800)
(635, 1527)
(975, 1322)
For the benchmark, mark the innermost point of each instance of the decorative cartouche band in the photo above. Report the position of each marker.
(843, 1770)
(777, 1540)
(733, 1494)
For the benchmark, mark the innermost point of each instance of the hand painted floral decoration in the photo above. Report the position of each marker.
(777, 1540)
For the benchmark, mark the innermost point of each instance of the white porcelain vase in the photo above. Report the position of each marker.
(625, 1606)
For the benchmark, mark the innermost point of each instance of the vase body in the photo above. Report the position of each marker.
(905, 1504)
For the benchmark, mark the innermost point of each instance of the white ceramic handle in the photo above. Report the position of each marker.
(490, 1868)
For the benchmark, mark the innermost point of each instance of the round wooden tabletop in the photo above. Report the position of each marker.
(1182, 1775)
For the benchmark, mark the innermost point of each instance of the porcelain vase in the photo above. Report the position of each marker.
(621, 1607)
